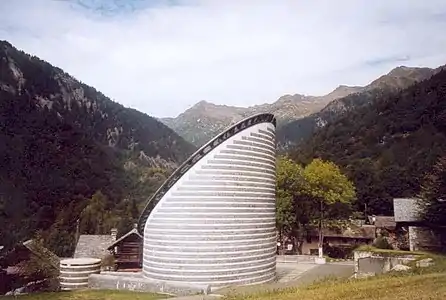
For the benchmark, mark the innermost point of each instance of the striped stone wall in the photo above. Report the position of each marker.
(216, 224)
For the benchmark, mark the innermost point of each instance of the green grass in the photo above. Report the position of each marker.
(416, 284)
(90, 295)
(417, 287)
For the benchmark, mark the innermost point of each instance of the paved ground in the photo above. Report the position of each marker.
(291, 271)
(289, 275)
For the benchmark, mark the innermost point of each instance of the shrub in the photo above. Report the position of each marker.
(382, 243)
(339, 251)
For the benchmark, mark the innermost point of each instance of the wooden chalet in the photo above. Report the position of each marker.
(14, 272)
(127, 251)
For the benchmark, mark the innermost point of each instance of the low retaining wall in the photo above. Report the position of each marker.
(296, 258)
(136, 282)
(369, 263)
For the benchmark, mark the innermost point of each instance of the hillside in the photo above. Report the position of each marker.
(399, 78)
(204, 120)
(387, 146)
(61, 141)
(298, 115)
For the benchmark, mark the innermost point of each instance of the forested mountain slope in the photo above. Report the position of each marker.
(61, 141)
(387, 146)
(397, 79)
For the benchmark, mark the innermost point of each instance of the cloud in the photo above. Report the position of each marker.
(163, 56)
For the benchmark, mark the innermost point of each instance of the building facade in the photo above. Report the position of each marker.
(213, 220)
(420, 236)
(127, 252)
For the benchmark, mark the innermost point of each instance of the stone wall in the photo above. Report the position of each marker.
(216, 224)
(368, 263)
(423, 239)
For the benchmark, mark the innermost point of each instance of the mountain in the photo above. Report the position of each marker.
(387, 146)
(399, 78)
(204, 120)
(61, 141)
(298, 115)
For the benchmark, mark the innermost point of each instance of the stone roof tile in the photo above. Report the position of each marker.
(94, 246)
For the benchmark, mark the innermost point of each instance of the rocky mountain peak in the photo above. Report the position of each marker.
(402, 71)
(202, 103)
(84, 107)
(290, 99)
(401, 76)
(342, 91)
(204, 120)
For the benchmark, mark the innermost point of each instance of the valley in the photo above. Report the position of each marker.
(74, 162)
(204, 150)
(68, 142)
(61, 142)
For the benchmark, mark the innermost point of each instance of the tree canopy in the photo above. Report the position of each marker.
(303, 193)
(289, 188)
(325, 181)
(386, 146)
(433, 199)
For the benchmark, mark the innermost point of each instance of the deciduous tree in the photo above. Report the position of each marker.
(95, 218)
(326, 186)
(289, 186)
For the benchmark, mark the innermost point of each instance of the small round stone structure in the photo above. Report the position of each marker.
(74, 272)
(213, 221)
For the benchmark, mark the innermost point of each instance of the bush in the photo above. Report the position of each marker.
(341, 252)
(382, 243)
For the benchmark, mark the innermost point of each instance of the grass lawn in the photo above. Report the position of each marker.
(90, 295)
(417, 284)
(415, 287)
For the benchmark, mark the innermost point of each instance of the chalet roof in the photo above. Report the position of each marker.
(13, 257)
(43, 253)
(383, 221)
(131, 232)
(406, 209)
(93, 246)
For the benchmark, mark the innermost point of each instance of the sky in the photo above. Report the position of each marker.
(163, 56)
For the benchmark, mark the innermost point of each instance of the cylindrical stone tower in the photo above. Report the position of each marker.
(213, 220)
(74, 272)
